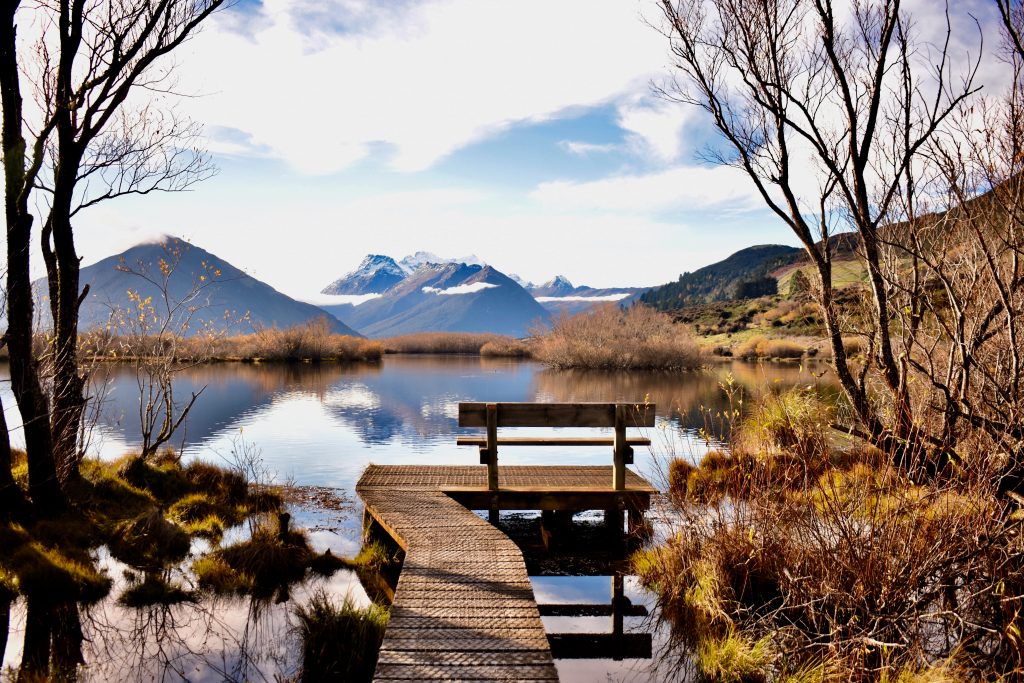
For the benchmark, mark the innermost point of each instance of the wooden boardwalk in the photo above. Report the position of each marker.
(464, 607)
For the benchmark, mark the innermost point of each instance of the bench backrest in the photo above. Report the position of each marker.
(616, 415)
(558, 414)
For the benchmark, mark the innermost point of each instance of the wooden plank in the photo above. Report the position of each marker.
(442, 672)
(551, 441)
(474, 414)
(464, 608)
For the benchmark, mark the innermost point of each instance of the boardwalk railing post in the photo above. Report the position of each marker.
(492, 446)
(622, 449)
(492, 459)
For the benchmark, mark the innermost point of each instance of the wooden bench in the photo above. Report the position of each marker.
(619, 416)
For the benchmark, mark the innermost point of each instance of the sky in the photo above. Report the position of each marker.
(526, 133)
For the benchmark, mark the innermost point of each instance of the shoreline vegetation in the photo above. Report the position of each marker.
(149, 512)
(799, 556)
(606, 338)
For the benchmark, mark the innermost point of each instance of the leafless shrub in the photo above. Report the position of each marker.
(506, 347)
(442, 342)
(829, 557)
(760, 346)
(609, 337)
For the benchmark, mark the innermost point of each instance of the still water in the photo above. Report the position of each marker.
(321, 426)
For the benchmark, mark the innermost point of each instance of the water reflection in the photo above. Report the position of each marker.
(321, 425)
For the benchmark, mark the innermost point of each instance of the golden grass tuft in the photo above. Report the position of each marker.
(760, 346)
(36, 570)
(154, 590)
(734, 658)
(260, 565)
(149, 541)
(612, 338)
(466, 343)
(340, 642)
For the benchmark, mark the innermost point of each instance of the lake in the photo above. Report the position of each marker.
(320, 426)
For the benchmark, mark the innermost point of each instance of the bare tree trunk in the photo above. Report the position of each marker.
(62, 265)
(44, 487)
(8, 488)
(66, 642)
(35, 654)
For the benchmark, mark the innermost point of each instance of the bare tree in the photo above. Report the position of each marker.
(158, 333)
(89, 145)
(790, 83)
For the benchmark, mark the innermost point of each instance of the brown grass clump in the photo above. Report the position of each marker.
(469, 343)
(154, 590)
(339, 642)
(795, 561)
(506, 347)
(763, 347)
(313, 341)
(612, 338)
(262, 564)
(149, 541)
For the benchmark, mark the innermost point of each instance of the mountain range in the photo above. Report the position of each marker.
(382, 275)
(222, 296)
(442, 297)
(383, 296)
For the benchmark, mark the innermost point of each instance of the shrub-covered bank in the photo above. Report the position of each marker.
(800, 558)
(149, 513)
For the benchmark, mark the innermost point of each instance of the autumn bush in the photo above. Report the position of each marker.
(613, 338)
(312, 341)
(760, 346)
(469, 343)
(796, 556)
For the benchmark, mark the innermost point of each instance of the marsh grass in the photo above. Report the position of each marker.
(154, 589)
(466, 343)
(149, 541)
(313, 341)
(611, 338)
(145, 511)
(761, 347)
(506, 347)
(261, 564)
(340, 642)
(796, 557)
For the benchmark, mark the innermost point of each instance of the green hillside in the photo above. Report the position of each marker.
(743, 274)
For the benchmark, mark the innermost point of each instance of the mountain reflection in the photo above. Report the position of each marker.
(413, 400)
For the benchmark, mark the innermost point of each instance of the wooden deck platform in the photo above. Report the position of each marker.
(464, 607)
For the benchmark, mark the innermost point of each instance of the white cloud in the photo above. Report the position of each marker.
(469, 288)
(654, 127)
(585, 149)
(448, 74)
(681, 187)
(606, 297)
(338, 299)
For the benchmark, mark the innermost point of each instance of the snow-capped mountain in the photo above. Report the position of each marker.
(558, 296)
(377, 273)
(447, 297)
(558, 286)
(410, 264)
(525, 284)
